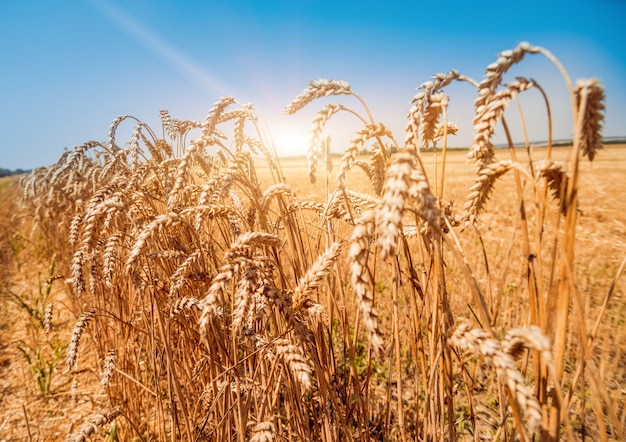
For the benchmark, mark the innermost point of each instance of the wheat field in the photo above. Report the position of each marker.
(187, 284)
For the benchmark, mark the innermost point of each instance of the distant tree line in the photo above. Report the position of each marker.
(9, 172)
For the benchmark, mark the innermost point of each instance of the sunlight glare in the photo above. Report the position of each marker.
(291, 142)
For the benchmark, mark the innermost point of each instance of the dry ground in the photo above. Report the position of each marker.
(25, 264)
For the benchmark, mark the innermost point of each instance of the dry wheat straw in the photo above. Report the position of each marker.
(317, 89)
(591, 92)
(77, 333)
(91, 426)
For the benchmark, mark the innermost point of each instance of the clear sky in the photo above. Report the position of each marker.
(68, 68)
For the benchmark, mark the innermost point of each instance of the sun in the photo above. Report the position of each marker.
(291, 141)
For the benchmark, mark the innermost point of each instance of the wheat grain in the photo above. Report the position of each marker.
(242, 296)
(448, 129)
(316, 273)
(434, 107)
(480, 190)
(479, 341)
(77, 332)
(214, 116)
(47, 318)
(109, 258)
(273, 191)
(349, 157)
(247, 240)
(166, 122)
(178, 277)
(361, 279)
(186, 303)
(528, 337)
(170, 219)
(378, 166)
(589, 135)
(313, 151)
(113, 129)
(420, 103)
(108, 367)
(404, 181)
(91, 425)
(78, 277)
(75, 228)
(487, 116)
(557, 180)
(263, 432)
(295, 361)
(317, 89)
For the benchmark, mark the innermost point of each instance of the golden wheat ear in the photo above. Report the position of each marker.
(317, 89)
(590, 105)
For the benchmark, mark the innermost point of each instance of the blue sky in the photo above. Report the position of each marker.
(67, 69)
